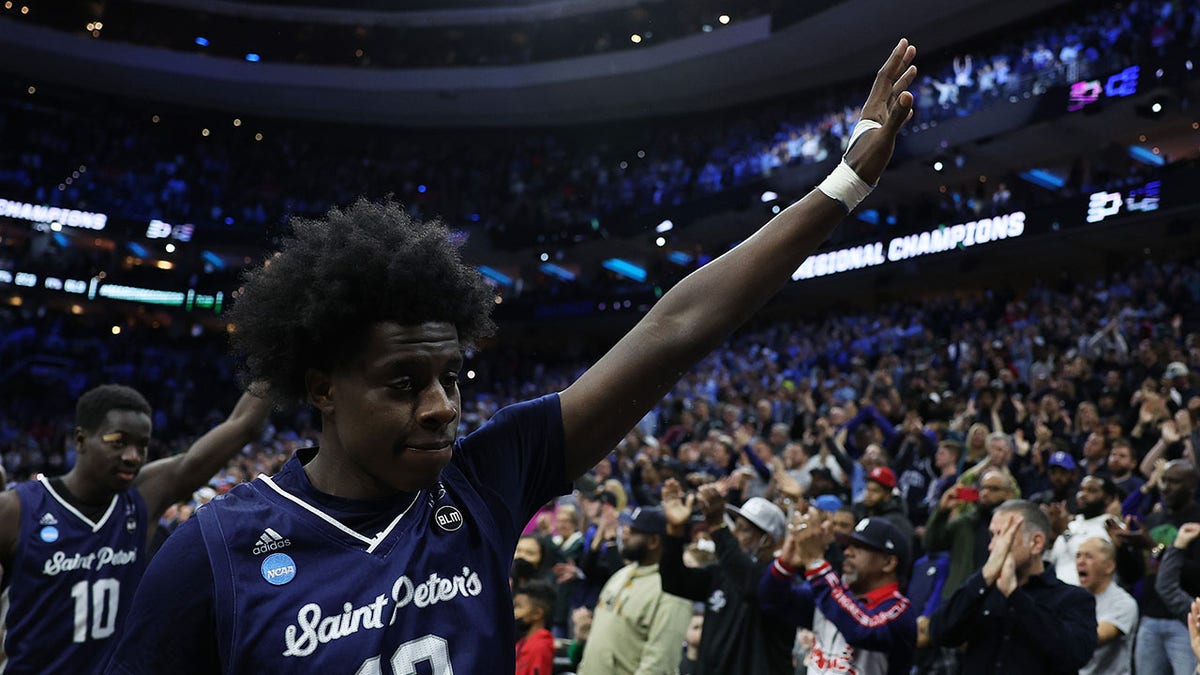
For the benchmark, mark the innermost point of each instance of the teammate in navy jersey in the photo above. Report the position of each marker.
(73, 547)
(388, 549)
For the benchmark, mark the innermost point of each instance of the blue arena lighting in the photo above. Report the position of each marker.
(202, 41)
(253, 58)
(557, 272)
(625, 269)
(496, 275)
(869, 216)
(61, 240)
(138, 249)
(421, 189)
(1145, 156)
(679, 257)
(1043, 178)
(213, 259)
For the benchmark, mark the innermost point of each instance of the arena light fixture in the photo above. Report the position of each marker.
(496, 275)
(625, 269)
(664, 226)
(556, 271)
(679, 257)
(253, 58)
(201, 41)
(1146, 156)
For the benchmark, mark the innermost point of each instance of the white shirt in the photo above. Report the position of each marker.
(1062, 556)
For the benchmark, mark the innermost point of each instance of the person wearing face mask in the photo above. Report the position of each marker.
(738, 638)
(637, 628)
(533, 604)
(531, 561)
(1096, 495)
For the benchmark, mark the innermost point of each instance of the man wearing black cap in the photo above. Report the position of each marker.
(637, 627)
(865, 625)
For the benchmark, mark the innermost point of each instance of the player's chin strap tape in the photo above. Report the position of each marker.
(843, 185)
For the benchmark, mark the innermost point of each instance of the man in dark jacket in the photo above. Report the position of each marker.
(879, 501)
(1014, 614)
(737, 637)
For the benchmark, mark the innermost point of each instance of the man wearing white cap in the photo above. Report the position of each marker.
(737, 638)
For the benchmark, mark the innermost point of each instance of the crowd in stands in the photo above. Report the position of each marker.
(517, 188)
(882, 414)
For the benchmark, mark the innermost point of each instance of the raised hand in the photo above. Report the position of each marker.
(1001, 545)
(675, 508)
(788, 486)
(889, 104)
(1187, 534)
(712, 504)
(949, 499)
(582, 619)
(1007, 583)
(742, 436)
(809, 536)
(1132, 534)
(1059, 518)
(565, 572)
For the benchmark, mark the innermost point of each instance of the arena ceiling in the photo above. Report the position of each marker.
(735, 65)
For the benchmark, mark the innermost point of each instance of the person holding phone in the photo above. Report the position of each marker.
(960, 526)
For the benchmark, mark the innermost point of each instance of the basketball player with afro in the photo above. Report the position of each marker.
(387, 549)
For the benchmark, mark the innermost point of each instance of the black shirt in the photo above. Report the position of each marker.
(1045, 626)
(737, 639)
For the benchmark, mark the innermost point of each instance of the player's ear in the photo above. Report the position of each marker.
(320, 390)
(80, 437)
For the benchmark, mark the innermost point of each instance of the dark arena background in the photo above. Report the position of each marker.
(1018, 299)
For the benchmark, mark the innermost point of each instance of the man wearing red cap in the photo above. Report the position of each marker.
(879, 501)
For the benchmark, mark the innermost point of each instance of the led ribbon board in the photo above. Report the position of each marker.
(945, 238)
(1087, 92)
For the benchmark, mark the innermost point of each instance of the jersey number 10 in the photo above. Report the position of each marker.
(404, 660)
(105, 596)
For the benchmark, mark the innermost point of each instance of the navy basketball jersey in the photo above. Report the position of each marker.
(424, 591)
(72, 581)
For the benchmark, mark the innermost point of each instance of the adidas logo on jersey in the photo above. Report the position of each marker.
(270, 540)
(49, 519)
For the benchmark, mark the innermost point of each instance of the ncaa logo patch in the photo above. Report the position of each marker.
(448, 518)
(278, 569)
(49, 534)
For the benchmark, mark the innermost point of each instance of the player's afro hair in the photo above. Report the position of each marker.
(91, 408)
(312, 303)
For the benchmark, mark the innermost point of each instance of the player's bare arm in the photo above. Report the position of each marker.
(702, 310)
(10, 525)
(166, 481)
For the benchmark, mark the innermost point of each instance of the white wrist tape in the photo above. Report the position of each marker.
(845, 186)
(861, 128)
